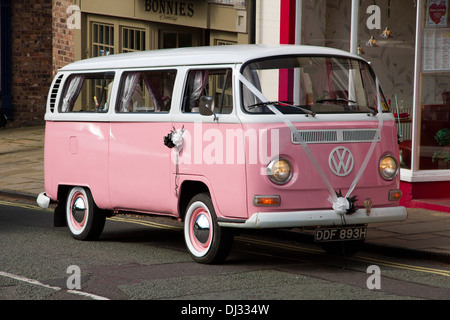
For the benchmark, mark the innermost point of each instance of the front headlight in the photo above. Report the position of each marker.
(279, 171)
(388, 167)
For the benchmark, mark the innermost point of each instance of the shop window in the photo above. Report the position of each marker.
(216, 83)
(132, 39)
(87, 93)
(102, 39)
(146, 91)
(173, 39)
(434, 149)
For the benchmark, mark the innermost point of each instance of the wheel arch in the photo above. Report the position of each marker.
(59, 218)
(188, 189)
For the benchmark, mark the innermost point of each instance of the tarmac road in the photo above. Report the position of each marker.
(145, 259)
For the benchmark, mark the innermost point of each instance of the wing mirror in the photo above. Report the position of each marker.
(205, 105)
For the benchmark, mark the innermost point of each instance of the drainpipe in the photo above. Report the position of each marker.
(298, 41)
(252, 39)
(298, 21)
(354, 27)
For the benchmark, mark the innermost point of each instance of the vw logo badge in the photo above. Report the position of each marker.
(341, 161)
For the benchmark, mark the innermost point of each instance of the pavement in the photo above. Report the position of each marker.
(425, 232)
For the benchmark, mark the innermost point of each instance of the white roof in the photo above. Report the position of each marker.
(198, 56)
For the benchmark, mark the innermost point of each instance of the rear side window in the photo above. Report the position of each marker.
(89, 92)
(146, 91)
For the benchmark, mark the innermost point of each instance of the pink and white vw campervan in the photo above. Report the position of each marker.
(223, 138)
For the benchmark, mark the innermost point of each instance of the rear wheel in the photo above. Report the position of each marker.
(205, 240)
(84, 219)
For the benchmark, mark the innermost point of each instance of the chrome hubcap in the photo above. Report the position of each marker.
(202, 229)
(79, 210)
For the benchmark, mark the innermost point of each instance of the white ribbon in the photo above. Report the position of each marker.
(177, 139)
(339, 204)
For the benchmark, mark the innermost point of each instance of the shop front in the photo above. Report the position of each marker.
(118, 26)
(408, 44)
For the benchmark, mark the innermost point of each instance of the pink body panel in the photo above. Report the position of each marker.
(140, 176)
(76, 154)
(214, 152)
(307, 190)
(127, 166)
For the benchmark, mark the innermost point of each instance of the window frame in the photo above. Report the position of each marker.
(108, 74)
(123, 75)
(209, 68)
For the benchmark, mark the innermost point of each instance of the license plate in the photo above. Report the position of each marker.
(340, 233)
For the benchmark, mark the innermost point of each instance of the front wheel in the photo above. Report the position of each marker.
(84, 219)
(205, 240)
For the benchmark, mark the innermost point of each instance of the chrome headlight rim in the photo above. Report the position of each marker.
(272, 167)
(385, 173)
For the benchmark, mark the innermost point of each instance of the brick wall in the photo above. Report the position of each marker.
(63, 37)
(31, 59)
(40, 44)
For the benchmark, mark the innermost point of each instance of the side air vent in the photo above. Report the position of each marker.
(334, 136)
(54, 93)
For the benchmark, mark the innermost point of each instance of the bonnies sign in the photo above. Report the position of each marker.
(170, 8)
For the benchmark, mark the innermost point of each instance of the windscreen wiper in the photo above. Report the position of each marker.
(281, 103)
(373, 112)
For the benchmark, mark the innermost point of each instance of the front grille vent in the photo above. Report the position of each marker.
(334, 136)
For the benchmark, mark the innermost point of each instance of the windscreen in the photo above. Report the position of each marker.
(319, 85)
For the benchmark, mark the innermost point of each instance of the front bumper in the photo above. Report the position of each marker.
(313, 218)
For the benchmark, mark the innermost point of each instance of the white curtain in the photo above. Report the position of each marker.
(152, 95)
(73, 90)
(199, 82)
(131, 81)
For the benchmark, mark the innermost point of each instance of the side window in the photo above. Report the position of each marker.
(216, 83)
(146, 91)
(87, 92)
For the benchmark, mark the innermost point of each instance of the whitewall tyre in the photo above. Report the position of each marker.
(205, 240)
(84, 219)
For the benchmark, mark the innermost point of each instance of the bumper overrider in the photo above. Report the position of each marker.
(43, 200)
(313, 218)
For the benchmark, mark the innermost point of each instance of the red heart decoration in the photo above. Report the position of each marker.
(437, 11)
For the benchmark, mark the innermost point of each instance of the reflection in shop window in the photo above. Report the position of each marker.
(435, 122)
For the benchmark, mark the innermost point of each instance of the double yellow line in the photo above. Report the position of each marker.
(22, 205)
(441, 272)
(397, 265)
(145, 223)
(391, 264)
